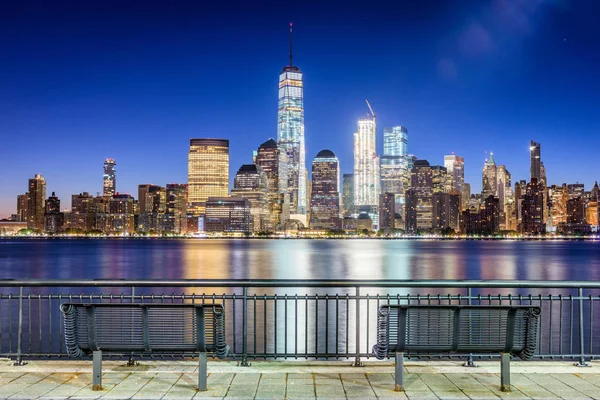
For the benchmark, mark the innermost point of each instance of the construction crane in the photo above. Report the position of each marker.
(371, 109)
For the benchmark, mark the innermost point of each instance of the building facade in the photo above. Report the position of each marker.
(366, 169)
(419, 207)
(152, 207)
(208, 172)
(251, 183)
(489, 178)
(455, 166)
(290, 137)
(325, 211)
(36, 203)
(228, 214)
(395, 172)
(176, 210)
(535, 166)
(109, 187)
(348, 195)
(267, 158)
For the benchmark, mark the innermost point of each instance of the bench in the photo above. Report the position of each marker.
(144, 329)
(472, 329)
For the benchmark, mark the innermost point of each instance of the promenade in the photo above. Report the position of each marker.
(298, 380)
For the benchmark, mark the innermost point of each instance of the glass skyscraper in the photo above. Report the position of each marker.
(366, 169)
(325, 199)
(395, 172)
(535, 167)
(395, 141)
(290, 137)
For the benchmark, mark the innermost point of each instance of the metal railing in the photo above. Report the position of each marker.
(312, 319)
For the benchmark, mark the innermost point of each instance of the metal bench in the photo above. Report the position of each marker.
(144, 329)
(473, 329)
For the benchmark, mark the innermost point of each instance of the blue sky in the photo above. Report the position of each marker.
(135, 80)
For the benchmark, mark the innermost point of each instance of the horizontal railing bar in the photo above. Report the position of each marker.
(254, 283)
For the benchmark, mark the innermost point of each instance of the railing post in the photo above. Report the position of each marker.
(245, 362)
(130, 361)
(581, 362)
(357, 362)
(19, 361)
(470, 362)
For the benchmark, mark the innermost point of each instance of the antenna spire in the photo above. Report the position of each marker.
(291, 44)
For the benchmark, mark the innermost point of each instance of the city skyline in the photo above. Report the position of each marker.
(75, 172)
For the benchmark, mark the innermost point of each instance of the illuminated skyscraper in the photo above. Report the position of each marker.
(267, 157)
(455, 166)
(208, 172)
(535, 166)
(36, 203)
(419, 207)
(504, 186)
(152, 204)
(348, 194)
(110, 178)
(22, 208)
(53, 218)
(290, 137)
(325, 199)
(395, 173)
(489, 177)
(366, 169)
(176, 214)
(251, 183)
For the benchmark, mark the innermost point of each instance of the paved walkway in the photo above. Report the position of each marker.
(297, 380)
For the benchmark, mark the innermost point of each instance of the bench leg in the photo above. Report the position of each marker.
(97, 370)
(505, 372)
(202, 372)
(399, 372)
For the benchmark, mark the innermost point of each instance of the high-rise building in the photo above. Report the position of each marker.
(466, 195)
(576, 190)
(535, 167)
(53, 218)
(82, 212)
(208, 172)
(325, 199)
(446, 210)
(559, 195)
(591, 212)
(595, 193)
(36, 203)
(348, 195)
(290, 137)
(121, 217)
(455, 166)
(532, 208)
(176, 213)
(576, 210)
(228, 214)
(504, 186)
(489, 176)
(110, 178)
(366, 169)
(22, 208)
(387, 211)
(419, 207)
(251, 183)
(395, 173)
(267, 157)
(440, 179)
(152, 206)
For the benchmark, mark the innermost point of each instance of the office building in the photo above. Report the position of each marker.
(152, 207)
(535, 166)
(532, 208)
(325, 194)
(455, 166)
(36, 203)
(22, 208)
(121, 215)
(110, 178)
(251, 183)
(53, 218)
(466, 196)
(176, 210)
(267, 158)
(348, 195)
(489, 178)
(558, 195)
(395, 172)
(290, 137)
(228, 214)
(387, 211)
(419, 207)
(366, 169)
(208, 172)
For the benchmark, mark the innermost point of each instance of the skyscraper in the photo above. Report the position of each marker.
(535, 168)
(325, 199)
(532, 212)
(290, 137)
(251, 183)
(348, 194)
(489, 178)
(176, 214)
(110, 178)
(152, 203)
(387, 211)
(208, 172)
(455, 166)
(36, 203)
(22, 208)
(267, 157)
(419, 207)
(366, 168)
(53, 218)
(395, 173)
(504, 186)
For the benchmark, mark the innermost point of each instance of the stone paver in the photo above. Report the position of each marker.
(296, 380)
